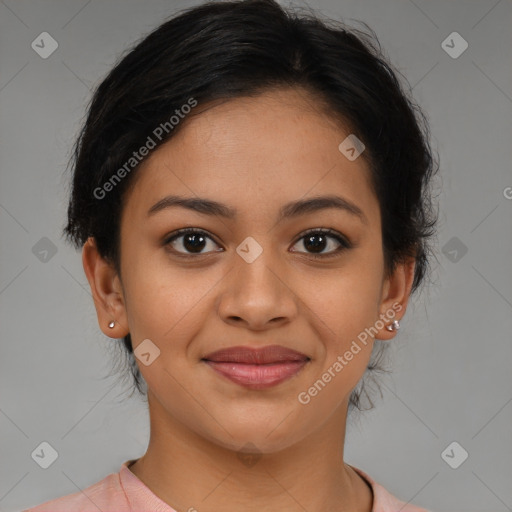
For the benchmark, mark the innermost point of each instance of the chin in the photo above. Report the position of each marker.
(258, 437)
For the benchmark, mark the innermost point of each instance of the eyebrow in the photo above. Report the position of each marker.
(289, 210)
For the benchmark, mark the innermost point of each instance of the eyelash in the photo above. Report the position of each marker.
(344, 243)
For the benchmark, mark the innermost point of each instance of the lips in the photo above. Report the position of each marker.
(247, 355)
(257, 368)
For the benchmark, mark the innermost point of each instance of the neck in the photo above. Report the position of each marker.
(188, 471)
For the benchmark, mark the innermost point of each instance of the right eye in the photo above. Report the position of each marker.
(190, 239)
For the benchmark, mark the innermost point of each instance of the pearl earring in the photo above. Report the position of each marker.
(111, 324)
(394, 326)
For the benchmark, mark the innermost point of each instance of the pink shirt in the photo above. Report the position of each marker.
(124, 492)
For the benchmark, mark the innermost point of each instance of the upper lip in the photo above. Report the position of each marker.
(249, 355)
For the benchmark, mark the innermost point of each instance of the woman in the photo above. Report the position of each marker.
(251, 195)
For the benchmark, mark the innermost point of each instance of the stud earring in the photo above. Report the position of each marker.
(394, 326)
(111, 324)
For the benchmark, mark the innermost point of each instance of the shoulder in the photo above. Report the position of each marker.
(105, 495)
(383, 500)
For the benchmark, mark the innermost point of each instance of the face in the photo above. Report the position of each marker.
(264, 275)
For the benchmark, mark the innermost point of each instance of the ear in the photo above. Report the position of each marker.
(396, 291)
(106, 291)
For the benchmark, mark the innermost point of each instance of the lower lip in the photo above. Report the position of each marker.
(257, 376)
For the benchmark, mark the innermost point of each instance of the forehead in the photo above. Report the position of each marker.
(265, 150)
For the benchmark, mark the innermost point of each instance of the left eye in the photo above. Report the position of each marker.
(317, 240)
(194, 241)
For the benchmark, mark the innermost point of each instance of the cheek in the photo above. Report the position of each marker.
(343, 305)
(346, 300)
(155, 297)
(343, 311)
(165, 303)
(167, 307)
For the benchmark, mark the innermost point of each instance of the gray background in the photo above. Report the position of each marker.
(452, 379)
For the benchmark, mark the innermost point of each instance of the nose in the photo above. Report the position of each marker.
(258, 295)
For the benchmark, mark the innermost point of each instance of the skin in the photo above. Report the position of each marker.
(255, 155)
